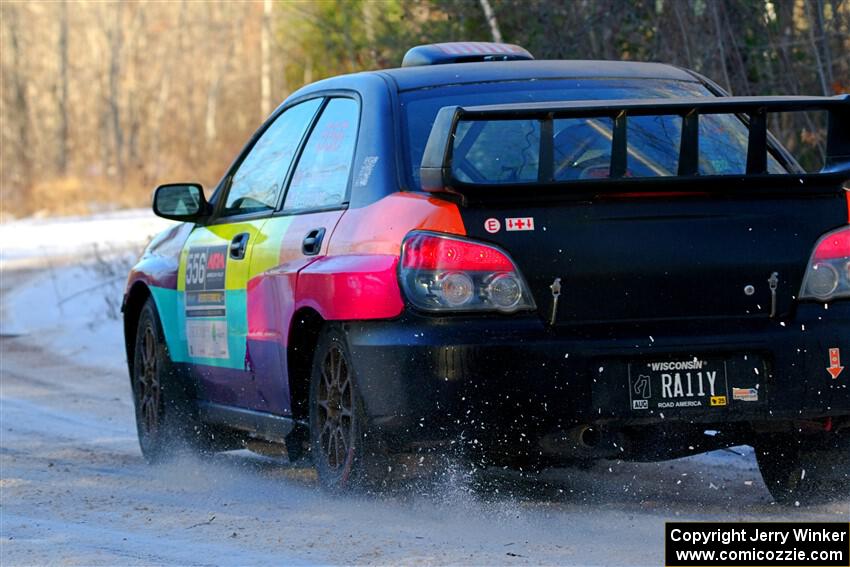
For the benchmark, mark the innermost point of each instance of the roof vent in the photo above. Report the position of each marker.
(463, 52)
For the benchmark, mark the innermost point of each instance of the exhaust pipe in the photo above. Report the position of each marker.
(582, 442)
(589, 437)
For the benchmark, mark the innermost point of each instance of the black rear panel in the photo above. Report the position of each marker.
(648, 259)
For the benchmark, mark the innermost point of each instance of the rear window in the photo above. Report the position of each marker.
(506, 151)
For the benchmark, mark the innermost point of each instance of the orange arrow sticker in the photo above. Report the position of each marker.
(835, 367)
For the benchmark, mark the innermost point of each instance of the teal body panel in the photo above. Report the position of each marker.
(171, 305)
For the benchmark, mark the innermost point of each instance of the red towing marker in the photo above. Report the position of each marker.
(835, 367)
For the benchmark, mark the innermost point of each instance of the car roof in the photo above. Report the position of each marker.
(408, 78)
(429, 76)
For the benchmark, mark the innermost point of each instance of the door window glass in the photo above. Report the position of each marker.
(258, 181)
(321, 176)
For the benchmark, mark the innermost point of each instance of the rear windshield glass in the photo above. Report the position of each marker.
(506, 151)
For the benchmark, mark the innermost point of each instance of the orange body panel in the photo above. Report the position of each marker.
(380, 227)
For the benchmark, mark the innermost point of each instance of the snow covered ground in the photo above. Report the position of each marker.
(79, 266)
(39, 239)
(75, 490)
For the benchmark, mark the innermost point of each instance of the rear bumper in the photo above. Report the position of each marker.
(431, 379)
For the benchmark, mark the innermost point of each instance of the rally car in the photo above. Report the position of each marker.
(531, 262)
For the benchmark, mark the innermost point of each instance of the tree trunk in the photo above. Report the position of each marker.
(813, 44)
(718, 30)
(20, 105)
(369, 17)
(265, 64)
(491, 21)
(116, 39)
(62, 157)
(827, 53)
(685, 36)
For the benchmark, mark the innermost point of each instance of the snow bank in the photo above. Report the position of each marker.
(74, 270)
(49, 238)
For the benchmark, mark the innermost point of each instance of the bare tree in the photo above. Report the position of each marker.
(265, 56)
(62, 99)
(20, 102)
(721, 48)
(115, 36)
(490, 16)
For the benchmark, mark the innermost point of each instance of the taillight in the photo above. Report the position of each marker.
(828, 274)
(446, 273)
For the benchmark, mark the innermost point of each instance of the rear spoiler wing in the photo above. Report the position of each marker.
(436, 173)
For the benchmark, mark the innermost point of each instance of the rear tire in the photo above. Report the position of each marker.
(347, 452)
(166, 413)
(805, 469)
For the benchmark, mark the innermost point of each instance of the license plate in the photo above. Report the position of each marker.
(679, 384)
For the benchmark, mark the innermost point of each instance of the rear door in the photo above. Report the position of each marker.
(216, 262)
(294, 238)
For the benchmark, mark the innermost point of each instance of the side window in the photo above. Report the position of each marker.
(321, 176)
(257, 183)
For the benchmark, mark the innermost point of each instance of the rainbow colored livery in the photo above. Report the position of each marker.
(530, 262)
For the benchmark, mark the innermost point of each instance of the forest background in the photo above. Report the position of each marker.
(101, 101)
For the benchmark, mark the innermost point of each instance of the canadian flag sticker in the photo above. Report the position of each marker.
(519, 223)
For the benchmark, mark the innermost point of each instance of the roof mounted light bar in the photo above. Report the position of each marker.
(436, 171)
(463, 52)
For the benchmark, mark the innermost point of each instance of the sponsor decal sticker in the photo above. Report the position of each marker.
(519, 223)
(206, 315)
(492, 225)
(642, 387)
(745, 394)
(366, 171)
(641, 392)
(835, 368)
(207, 338)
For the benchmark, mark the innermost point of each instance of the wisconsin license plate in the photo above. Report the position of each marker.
(689, 383)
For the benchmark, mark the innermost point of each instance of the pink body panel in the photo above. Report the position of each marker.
(361, 286)
(339, 288)
(356, 277)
